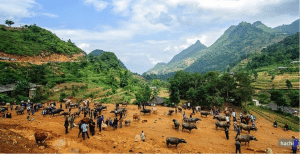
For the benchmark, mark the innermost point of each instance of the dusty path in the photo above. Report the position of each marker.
(206, 139)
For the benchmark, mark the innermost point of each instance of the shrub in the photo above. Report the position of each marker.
(62, 96)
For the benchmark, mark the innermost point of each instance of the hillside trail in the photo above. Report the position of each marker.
(205, 139)
(41, 59)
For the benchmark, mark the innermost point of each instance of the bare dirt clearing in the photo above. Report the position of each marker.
(206, 139)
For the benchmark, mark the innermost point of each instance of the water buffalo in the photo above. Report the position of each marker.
(246, 138)
(125, 103)
(127, 122)
(174, 140)
(222, 125)
(65, 113)
(176, 124)
(220, 117)
(180, 109)
(188, 126)
(2, 109)
(204, 113)
(191, 120)
(146, 111)
(77, 113)
(56, 111)
(228, 113)
(247, 127)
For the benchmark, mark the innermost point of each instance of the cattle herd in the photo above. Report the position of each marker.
(187, 123)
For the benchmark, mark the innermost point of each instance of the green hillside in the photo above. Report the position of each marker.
(236, 44)
(188, 52)
(33, 40)
(98, 52)
(289, 29)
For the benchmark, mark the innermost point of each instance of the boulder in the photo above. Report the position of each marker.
(137, 138)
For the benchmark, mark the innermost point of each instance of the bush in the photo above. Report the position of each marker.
(62, 96)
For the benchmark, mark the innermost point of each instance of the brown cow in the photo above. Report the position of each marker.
(136, 117)
(41, 136)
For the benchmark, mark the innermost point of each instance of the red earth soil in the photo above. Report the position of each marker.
(16, 135)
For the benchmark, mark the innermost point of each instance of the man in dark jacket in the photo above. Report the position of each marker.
(60, 105)
(237, 147)
(238, 131)
(66, 125)
(115, 123)
(92, 127)
(99, 123)
(95, 115)
(226, 132)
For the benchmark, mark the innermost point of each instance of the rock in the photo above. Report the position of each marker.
(137, 138)
(42, 147)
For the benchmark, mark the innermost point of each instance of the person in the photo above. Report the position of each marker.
(190, 115)
(66, 125)
(84, 113)
(11, 107)
(143, 136)
(80, 129)
(88, 103)
(196, 109)
(251, 117)
(275, 124)
(110, 122)
(237, 147)
(235, 125)
(84, 127)
(28, 116)
(70, 109)
(227, 119)
(60, 105)
(115, 123)
(99, 123)
(175, 110)
(32, 111)
(92, 127)
(95, 114)
(296, 143)
(238, 131)
(71, 121)
(199, 108)
(116, 113)
(139, 105)
(226, 132)
(120, 121)
(241, 117)
(233, 115)
(91, 115)
(183, 114)
(286, 127)
(117, 105)
(28, 109)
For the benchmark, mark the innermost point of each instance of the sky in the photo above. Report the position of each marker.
(143, 33)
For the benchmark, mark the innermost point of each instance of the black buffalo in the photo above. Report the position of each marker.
(56, 111)
(176, 124)
(146, 111)
(188, 126)
(204, 113)
(246, 138)
(222, 125)
(174, 140)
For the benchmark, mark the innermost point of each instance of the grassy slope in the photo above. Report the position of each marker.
(34, 41)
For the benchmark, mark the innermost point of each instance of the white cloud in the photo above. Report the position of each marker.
(154, 42)
(16, 9)
(153, 60)
(121, 6)
(50, 15)
(167, 48)
(84, 46)
(98, 4)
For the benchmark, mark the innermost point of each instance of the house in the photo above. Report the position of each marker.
(152, 88)
(256, 102)
(282, 68)
(9, 88)
(157, 101)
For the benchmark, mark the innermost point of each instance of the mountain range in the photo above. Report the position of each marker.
(236, 44)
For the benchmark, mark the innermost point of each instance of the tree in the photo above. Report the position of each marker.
(226, 85)
(174, 97)
(289, 84)
(273, 77)
(255, 75)
(9, 22)
(244, 90)
(294, 97)
(191, 95)
(277, 97)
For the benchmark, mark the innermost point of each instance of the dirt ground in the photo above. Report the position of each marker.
(16, 135)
